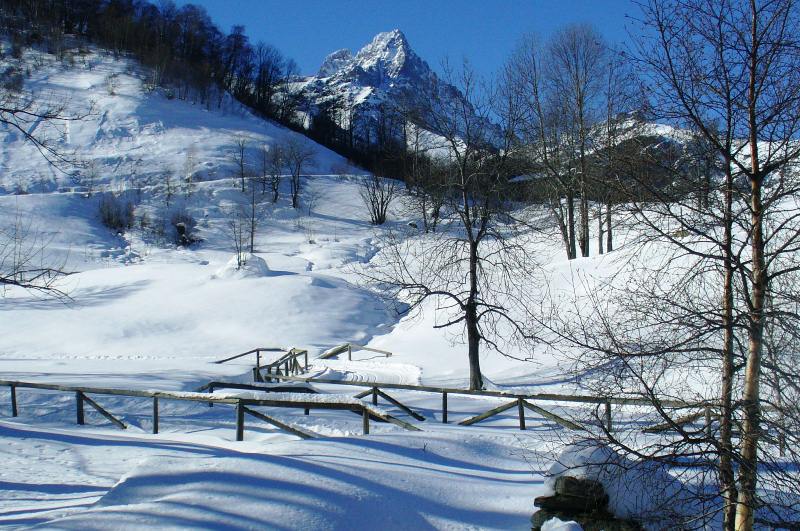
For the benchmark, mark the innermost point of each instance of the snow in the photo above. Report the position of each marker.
(150, 315)
(246, 266)
(642, 490)
(554, 524)
(398, 482)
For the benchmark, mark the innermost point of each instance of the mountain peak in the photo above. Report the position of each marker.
(388, 53)
(335, 62)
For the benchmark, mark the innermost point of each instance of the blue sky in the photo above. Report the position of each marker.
(484, 31)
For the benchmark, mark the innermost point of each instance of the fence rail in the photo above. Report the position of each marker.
(522, 401)
(243, 405)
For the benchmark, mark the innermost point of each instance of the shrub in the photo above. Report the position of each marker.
(115, 213)
(183, 225)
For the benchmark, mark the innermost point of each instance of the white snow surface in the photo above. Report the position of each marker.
(149, 315)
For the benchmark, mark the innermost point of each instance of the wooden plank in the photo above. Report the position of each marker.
(487, 414)
(608, 416)
(264, 388)
(521, 413)
(552, 416)
(680, 421)
(239, 421)
(335, 351)
(262, 349)
(303, 434)
(14, 411)
(391, 419)
(370, 349)
(105, 413)
(79, 416)
(363, 394)
(117, 392)
(398, 404)
(155, 414)
(583, 399)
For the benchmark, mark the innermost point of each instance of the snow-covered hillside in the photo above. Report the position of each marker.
(145, 314)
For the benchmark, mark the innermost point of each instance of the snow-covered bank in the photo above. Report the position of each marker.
(397, 482)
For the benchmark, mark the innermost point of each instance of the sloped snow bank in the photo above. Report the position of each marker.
(252, 266)
(640, 490)
(430, 481)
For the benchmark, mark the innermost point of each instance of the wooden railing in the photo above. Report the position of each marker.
(520, 400)
(349, 348)
(243, 405)
(286, 365)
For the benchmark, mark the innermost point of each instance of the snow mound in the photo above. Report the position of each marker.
(253, 267)
(642, 490)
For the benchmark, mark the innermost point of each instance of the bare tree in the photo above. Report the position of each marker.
(472, 269)
(563, 91)
(297, 157)
(274, 170)
(425, 176)
(25, 262)
(21, 110)
(717, 303)
(377, 193)
(238, 156)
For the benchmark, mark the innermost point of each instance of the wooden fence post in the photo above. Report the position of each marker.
(155, 414)
(79, 407)
(349, 352)
(239, 421)
(306, 411)
(14, 411)
(305, 356)
(374, 396)
(444, 408)
(365, 420)
(210, 391)
(521, 407)
(608, 416)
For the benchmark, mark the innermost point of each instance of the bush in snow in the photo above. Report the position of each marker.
(115, 213)
(183, 225)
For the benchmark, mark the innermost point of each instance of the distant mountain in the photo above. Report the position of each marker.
(366, 87)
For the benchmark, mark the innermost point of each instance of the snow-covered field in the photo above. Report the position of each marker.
(143, 315)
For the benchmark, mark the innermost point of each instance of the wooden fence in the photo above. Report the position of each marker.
(243, 405)
(285, 365)
(521, 401)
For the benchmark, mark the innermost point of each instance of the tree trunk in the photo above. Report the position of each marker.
(727, 479)
(751, 399)
(600, 228)
(473, 343)
(751, 425)
(471, 319)
(584, 228)
(571, 250)
(609, 231)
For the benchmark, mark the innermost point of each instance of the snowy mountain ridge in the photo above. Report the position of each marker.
(385, 71)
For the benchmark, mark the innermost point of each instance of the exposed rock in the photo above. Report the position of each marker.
(582, 500)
